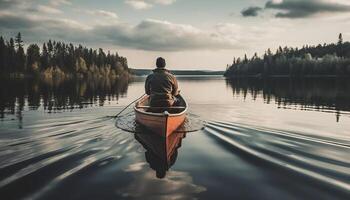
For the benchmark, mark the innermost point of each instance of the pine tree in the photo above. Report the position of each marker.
(2, 55)
(33, 58)
(20, 60)
(269, 52)
(101, 58)
(20, 56)
(19, 41)
(11, 53)
(50, 48)
(340, 45)
(13, 59)
(340, 39)
(45, 58)
(255, 55)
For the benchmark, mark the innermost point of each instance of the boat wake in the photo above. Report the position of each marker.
(52, 153)
(56, 157)
(323, 159)
(128, 123)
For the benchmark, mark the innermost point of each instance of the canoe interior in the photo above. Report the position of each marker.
(144, 105)
(157, 120)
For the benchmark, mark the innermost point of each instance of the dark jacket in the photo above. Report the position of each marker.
(162, 86)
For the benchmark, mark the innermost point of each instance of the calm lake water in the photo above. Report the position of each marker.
(275, 139)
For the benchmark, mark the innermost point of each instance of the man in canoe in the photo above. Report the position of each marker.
(162, 86)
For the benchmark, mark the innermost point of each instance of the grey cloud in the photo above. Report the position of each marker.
(305, 8)
(42, 29)
(32, 6)
(4, 4)
(103, 13)
(149, 35)
(300, 8)
(156, 35)
(56, 3)
(147, 4)
(8, 21)
(44, 9)
(251, 11)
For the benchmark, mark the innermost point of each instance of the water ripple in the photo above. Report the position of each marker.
(60, 150)
(318, 158)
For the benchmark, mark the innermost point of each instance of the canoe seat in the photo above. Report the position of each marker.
(172, 110)
(173, 107)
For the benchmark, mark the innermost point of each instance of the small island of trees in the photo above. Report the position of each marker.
(328, 60)
(57, 59)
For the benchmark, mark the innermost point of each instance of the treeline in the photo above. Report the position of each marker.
(321, 60)
(58, 59)
(145, 72)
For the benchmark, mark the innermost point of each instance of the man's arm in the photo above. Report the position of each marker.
(175, 91)
(148, 85)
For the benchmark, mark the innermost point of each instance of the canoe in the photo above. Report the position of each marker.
(161, 152)
(161, 120)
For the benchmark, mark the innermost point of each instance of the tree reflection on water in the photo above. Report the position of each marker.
(325, 95)
(57, 94)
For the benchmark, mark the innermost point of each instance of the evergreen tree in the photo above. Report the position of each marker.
(340, 45)
(50, 49)
(63, 58)
(255, 56)
(19, 41)
(33, 58)
(45, 58)
(319, 60)
(101, 58)
(20, 60)
(2, 55)
(340, 39)
(11, 53)
(20, 56)
(269, 52)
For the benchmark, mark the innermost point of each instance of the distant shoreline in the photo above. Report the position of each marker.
(145, 72)
(288, 76)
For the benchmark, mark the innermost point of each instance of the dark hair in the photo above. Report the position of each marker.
(160, 62)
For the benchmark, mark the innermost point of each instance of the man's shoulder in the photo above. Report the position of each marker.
(163, 73)
(168, 72)
(149, 76)
(170, 75)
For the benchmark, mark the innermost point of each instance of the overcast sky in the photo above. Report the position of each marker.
(190, 34)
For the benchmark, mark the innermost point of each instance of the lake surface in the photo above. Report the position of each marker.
(263, 139)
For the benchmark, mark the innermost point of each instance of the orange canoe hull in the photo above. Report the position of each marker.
(163, 124)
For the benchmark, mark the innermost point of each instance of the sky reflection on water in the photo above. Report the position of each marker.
(276, 139)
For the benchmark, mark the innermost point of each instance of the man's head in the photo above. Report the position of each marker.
(160, 62)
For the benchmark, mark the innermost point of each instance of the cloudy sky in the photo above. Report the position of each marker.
(190, 34)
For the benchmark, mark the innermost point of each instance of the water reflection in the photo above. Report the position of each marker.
(299, 155)
(325, 95)
(161, 153)
(57, 94)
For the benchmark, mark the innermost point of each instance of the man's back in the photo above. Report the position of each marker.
(162, 86)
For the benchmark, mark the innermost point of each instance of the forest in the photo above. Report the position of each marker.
(58, 59)
(332, 60)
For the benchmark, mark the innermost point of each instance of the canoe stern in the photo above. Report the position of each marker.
(164, 123)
